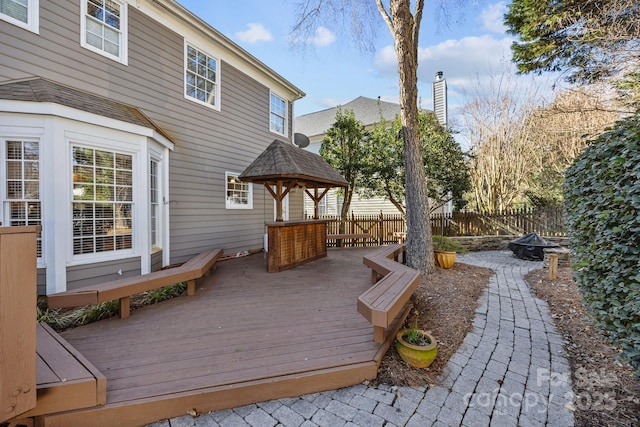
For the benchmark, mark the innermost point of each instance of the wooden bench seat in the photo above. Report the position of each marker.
(388, 297)
(123, 289)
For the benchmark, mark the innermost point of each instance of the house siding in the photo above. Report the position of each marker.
(208, 142)
(41, 281)
(156, 261)
(91, 274)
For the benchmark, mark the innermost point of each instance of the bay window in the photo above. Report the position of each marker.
(102, 201)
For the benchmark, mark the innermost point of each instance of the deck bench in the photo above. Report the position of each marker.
(123, 289)
(389, 297)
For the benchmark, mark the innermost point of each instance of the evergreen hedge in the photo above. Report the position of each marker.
(602, 201)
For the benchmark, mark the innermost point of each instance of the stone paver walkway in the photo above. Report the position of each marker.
(511, 370)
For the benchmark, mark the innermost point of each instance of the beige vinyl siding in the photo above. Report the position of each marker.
(208, 143)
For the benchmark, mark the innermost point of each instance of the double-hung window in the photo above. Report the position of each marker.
(23, 13)
(102, 201)
(104, 28)
(239, 194)
(154, 203)
(22, 205)
(278, 115)
(202, 78)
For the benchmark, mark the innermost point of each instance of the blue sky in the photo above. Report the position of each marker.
(468, 47)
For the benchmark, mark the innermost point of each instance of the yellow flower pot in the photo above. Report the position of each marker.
(444, 259)
(418, 356)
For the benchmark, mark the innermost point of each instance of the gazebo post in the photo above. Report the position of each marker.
(282, 165)
(316, 201)
(279, 201)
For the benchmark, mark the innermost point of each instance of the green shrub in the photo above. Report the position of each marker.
(161, 294)
(62, 319)
(447, 244)
(602, 201)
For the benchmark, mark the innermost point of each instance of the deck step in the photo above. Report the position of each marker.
(65, 379)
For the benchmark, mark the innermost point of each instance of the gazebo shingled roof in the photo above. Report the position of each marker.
(284, 161)
(285, 165)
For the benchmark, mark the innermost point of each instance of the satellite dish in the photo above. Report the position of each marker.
(301, 140)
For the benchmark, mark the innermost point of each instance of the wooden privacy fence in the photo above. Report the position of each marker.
(546, 221)
(384, 229)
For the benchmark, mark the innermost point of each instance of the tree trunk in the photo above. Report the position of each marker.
(419, 244)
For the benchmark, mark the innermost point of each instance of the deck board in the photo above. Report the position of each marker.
(65, 379)
(243, 332)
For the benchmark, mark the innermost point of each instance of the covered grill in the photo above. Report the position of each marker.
(530, 247)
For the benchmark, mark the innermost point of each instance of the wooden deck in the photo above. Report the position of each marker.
(65, 379)
(246, 336)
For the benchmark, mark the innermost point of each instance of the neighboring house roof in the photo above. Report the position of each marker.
(41, 90)
(366, 110)
(284, 161)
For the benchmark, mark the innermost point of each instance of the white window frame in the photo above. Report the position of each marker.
(5, 214)
(229, 203)
(272, 113)
(33, 17)
(134, 231)
(122, 57)
(216, 83)
(155, 223)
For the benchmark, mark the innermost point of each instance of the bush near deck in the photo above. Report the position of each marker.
(602, 201)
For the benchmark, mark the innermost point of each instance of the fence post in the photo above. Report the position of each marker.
(553, 266)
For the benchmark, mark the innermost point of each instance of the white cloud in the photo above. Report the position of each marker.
(255, 33)
(492, 18)
(460, 60)
(323, 37)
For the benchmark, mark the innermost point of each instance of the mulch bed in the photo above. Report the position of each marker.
(445, 317)
(607, 391)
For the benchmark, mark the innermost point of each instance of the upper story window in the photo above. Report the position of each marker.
(278, 115)
(102, 201)
(239, 195)
(202, 79)
(104, 28)
(23, 13)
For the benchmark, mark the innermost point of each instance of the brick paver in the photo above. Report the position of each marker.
(511, 370)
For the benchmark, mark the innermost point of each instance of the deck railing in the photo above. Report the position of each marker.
(385, 229)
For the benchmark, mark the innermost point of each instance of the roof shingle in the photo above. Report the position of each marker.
(42, 90)
(283, 161)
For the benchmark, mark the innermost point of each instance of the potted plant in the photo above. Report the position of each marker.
(416, 347)
(444, 251)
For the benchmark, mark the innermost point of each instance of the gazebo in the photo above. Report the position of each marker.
(280, 168)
